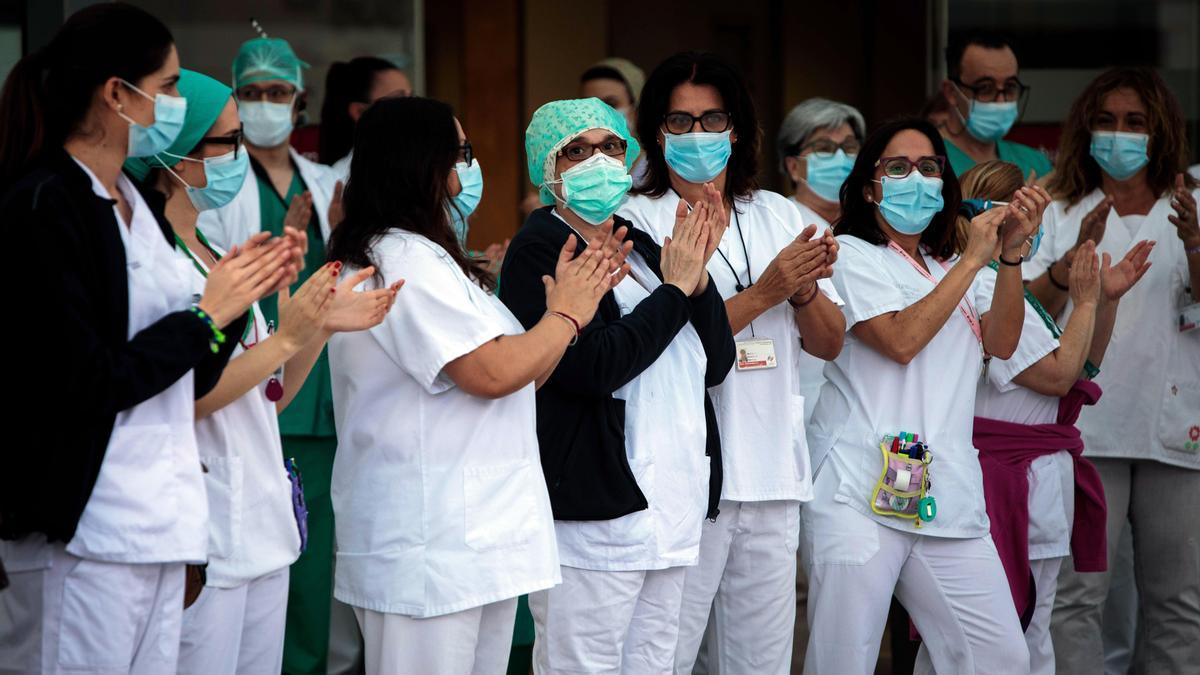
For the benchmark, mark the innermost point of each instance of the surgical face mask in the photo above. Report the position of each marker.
(266, 125)
(470, 177)
(697, 157)
(973, 207)
(909, 203)
(1120, 153)
(223, 176)
(594, 188)
(827, 172)
(989, 122)
(169, 112)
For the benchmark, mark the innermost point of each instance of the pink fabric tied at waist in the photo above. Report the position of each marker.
(1006, 450)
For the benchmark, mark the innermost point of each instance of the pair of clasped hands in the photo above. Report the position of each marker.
(264, 265)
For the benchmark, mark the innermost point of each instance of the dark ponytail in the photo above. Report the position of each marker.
(347, 82)
(48, 93)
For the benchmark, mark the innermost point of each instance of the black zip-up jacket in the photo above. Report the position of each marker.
(72, 366)
(580, 426)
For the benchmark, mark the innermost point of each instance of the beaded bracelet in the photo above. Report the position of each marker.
(218, 338)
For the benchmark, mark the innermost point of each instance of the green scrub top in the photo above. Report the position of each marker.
(1023, 156)
(311, 412)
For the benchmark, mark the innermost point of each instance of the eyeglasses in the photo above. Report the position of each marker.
(234, 139)
(579, 150)
(899, 167)
(466, 154)
(825, 146)
(277, 94)
(988, 92)
(712, 121)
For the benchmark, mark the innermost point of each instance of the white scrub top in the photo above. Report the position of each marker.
(148, 505)
(251, 528)
(440, 500)
(869, 395)
(665, 435)
(342, 167)
(1051, 477)
(1151, 371)
(764, 449)
(809, 368)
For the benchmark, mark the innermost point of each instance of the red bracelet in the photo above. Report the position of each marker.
(569, 319)
(798, 305)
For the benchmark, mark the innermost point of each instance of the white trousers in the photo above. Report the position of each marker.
(1037, 636)
(86, 616)
(954, 589)
(236, 630)
(474, 641)
(607, 622)
(747, 578)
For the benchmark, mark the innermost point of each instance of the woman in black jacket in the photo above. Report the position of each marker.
(102, 507)
(627, 433)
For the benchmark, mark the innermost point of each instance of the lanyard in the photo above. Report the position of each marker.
(204, 273)
(968, 311)
(1037, 307)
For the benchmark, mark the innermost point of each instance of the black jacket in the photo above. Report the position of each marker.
(72, 365)
(581, 427)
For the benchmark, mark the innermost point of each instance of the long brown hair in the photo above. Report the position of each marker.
(994, 179)
(1076, 174)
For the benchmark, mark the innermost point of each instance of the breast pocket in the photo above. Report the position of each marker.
(499, 505)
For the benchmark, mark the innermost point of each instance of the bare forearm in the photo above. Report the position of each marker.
(296, 370)
(746, 307)
(244, 373)
(822, 327)
(510, 362)
(1002, 324)
(1057, 372)
(1106, 318)
(1053, 298)
(902, 335)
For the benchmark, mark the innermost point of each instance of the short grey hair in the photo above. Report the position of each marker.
(811, 115)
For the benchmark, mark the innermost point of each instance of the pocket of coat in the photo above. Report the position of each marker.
(223, 483)
(1179, 424)
(102, 606)
(498, 504)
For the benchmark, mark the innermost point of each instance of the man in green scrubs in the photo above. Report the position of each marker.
(269, 88)
(985, 96)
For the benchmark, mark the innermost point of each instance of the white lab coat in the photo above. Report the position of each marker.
(1151, 371)
(238, 220)
(809, 368)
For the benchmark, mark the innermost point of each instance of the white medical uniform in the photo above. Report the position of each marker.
(617, 610)
(748, 556)
(946, 573)
(241, 218)
(342, 167)
(439, 495)
(252, 532)
(111, 599)
(810, 369)
(1051, 477)
(1142, 437)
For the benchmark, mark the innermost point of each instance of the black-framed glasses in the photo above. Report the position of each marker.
(713, 121)
(899, 167)
(272, 94)
(234, 139)
(987, 91)
(466, 153)
(577, 151)
(826, 146)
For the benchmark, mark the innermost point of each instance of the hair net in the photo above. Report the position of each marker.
(267, 59)
(557, 123)
(206, 98)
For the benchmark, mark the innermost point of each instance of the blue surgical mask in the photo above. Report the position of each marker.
(223, 176)
(697, 157)
(827, 172)
(990, 122)
(595, 188)
(970, 208)
(266, 125)
(1120, 153)
(909, 203)
(169, 112)
(470, 177)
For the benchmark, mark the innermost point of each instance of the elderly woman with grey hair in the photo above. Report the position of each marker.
(817, 144)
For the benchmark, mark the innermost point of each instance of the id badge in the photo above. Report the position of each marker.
(756, 354)
(1189, 317)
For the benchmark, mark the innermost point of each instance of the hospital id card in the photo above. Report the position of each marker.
(756, 354)
(1189, 317)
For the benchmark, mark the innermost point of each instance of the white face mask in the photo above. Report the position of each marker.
(266, 125)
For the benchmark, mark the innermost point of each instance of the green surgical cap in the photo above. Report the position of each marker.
(557, 123)
(267, 59)
(206, 98)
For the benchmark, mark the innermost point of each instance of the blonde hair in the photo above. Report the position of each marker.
(994, 179)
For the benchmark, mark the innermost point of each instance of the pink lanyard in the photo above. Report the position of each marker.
(968, 312)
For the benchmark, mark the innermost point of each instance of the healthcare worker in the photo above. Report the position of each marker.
(898, 505)
(1121, 177)
(442, 512)
(254, 532)
(351, 86)
(627, 432)
(283, 189)
(985, 96)
(106, 506)
(767, 268)
(1033, 474)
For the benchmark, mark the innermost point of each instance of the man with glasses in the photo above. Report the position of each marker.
(285, 189)
(985, 98)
